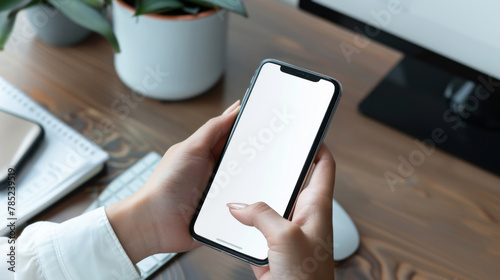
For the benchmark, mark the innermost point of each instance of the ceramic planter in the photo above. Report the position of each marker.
(53, 28)
(169, 57)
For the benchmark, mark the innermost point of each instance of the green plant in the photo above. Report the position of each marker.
(87, 14)
(82, 12)
(186, 6)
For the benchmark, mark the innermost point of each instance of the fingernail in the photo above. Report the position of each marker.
(236, 206)
(230, 108)
(236, 110)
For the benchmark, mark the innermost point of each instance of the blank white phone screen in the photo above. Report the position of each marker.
(265, 155)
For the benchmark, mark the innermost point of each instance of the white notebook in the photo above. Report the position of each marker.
(64, 160)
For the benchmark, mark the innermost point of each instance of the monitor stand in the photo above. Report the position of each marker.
(412, 99)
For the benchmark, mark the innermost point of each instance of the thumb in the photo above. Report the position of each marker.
(262, 217)
(212, 131)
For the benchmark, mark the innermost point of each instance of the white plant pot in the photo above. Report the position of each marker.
(54, 28)
(169, 57)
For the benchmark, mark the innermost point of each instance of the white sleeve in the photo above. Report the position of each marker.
(84, 247)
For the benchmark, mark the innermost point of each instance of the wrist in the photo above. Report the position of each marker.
(132, 227)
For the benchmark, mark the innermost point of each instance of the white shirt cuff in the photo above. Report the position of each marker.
(84, 247)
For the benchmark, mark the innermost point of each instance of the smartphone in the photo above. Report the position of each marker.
(19, 138)
(283, 119)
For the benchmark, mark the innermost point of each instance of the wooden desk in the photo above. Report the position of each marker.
(440, 223)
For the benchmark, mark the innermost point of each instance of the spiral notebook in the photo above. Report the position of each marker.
(64, 160)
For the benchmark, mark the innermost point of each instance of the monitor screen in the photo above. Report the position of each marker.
(462, 30)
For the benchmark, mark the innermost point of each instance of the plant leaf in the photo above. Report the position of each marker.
(191, 10)
(157, 6)
(7, 20)
(6, 26)
(137, 4)
(201, 3)
(96, 3)
(88, 17)
(235, 6)
(9, 4)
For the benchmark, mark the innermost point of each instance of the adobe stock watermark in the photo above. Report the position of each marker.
(222, 14)
(485, 87)
(322, 252)
(29, 24)
(123, 105)
(248, 150)
(381, 19)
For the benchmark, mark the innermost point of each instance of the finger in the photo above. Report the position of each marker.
(322, 179)
(207, 136)
(232, 107)
(217, 149)
(262, 217)
(242, 217)
(314, 205)
(259, 271)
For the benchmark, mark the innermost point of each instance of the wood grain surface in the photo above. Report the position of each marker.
(442, 222)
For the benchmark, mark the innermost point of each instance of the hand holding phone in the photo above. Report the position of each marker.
(156, 218)
(267, 157)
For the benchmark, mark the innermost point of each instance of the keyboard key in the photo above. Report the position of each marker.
(151, 157)
(147, 264)
(149, 172)
(124, 193)
(114, 186)
(161, 257)
(127, 191)
(121, 195)
(126, 177)
(105, 194)
(139, 167)
(145, 176)
(136, 184)
(111, 201)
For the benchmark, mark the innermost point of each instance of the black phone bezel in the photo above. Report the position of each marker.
(292, 70)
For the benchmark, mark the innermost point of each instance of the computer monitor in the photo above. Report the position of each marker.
(448, 81)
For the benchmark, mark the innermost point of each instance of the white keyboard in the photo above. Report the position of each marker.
(124, 185)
